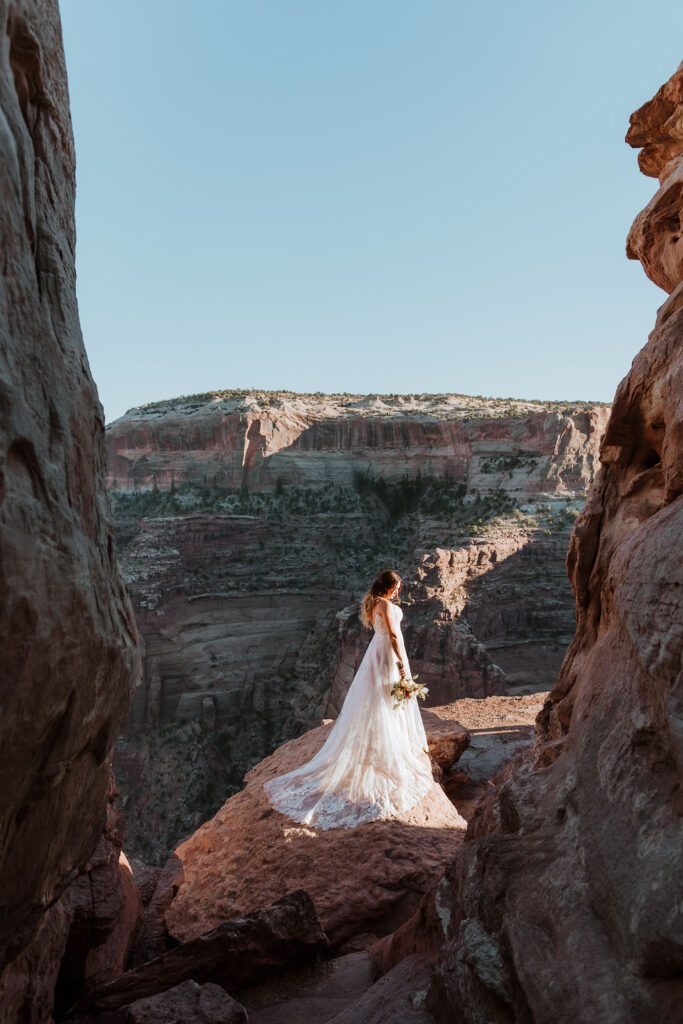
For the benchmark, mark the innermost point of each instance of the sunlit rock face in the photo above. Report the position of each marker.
(255, 439)
(366, 879)
(656, 237)
(246, 580)
(67, 631)
(577, 849)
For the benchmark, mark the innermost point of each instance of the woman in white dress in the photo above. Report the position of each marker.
(374, 763)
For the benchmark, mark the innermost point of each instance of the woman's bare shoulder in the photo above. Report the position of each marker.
(383, 604)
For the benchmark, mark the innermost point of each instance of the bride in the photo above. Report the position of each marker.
(374, 763)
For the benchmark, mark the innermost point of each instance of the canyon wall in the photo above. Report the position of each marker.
(247, 596)
(263, 439)
(67, 632)
(565, 897)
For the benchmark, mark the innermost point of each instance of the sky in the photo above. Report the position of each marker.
(392, 196)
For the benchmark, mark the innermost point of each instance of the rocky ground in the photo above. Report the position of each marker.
(499, 728)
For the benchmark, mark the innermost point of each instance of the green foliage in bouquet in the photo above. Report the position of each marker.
(406, 688)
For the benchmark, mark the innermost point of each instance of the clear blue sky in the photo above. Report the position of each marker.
(334, 195)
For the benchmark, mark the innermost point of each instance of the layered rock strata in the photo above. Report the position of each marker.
(67, 631)
(263, 440)
(564, 900)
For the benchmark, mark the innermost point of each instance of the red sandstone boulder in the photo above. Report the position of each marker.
(363, 881)
(186, 1003)
(447, 739)
(234, 954)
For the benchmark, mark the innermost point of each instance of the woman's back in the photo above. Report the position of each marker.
(395, 615)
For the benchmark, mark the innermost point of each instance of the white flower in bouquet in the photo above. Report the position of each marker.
(405, 688)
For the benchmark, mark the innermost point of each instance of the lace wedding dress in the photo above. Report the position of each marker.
(374, 763)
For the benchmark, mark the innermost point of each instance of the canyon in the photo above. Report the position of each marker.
(246, 561)
(538, 881)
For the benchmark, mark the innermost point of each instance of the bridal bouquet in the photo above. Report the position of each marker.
(406, 688)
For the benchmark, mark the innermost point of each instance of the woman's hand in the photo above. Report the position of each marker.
(401, 670)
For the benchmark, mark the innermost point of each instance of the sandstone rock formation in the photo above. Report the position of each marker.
(347, 983)
(86, 938)
(27, 985)
(66, 627)
(447, 739)
(255, 439)
(234, 953)
(105, 914)
(161, 888)
(186, 1003)
(655, 129)
(656, 237)
(397, 998)
(249, 854)
(564, 902)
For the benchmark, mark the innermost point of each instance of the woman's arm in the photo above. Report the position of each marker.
(383, 607)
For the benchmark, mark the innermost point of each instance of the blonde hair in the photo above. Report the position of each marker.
(385, 582)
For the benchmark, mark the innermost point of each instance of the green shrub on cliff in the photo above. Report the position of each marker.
(422, 494)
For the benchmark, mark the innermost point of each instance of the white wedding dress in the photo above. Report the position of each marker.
(374, 763)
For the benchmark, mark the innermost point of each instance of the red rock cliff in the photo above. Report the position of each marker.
(67, 633)
(565, 903)
(257, 438)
